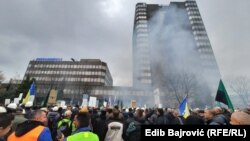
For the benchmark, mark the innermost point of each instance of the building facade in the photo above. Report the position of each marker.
(73, 79)
(170, 44)
(70, 78)
(171, 54)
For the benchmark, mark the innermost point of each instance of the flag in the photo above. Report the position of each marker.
(31, 94)
(157, 96)
(223, 97)
(45, 101)
(184, 110)
(109, 102)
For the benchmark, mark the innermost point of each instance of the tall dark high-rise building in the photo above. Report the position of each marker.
(172, 51)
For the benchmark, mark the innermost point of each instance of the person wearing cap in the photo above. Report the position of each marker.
(5, 122)
(19, 118)
(12, 106)
(66, 120)
(28, 110)
(83, 132)
(33, 130)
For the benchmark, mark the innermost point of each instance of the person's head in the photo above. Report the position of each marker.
(116, 113)
(5, 121)
(217, 110)
(12, 106)
(67, 114)
(82, 119)
(45, 109)
(19, 111)
(69, 107)
(39, 115)
(28, 105)
(139, 113)
(160, 112)
(208, 114)
(194, 120)
(240, 118)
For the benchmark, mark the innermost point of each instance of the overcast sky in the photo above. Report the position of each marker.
(102, 29)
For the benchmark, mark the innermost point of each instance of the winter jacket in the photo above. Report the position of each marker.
(31, 130)
(82, 134)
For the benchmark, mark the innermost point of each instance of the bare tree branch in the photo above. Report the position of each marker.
(1, 77)
(241, 86)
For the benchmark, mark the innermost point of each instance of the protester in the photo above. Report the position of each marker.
(114, 127)
(65, 124)
(5, 122)
(240, 118)
(28, 110)
(83, 132)
(33, 130)
(19, 118)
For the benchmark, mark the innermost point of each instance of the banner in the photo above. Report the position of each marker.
(92, 101)
(85, 100)
(7, 101)
(157, 96)
(52, 97)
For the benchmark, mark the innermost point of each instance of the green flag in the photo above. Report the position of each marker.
(45, 101)
(223, 97)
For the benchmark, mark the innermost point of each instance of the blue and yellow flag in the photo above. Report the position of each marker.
(184, 110)
(31, 93)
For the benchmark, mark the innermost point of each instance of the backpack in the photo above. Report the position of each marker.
(65, 127)
(132, 127)
(53, 117)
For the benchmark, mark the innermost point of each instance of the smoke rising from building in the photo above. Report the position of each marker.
(181, 62)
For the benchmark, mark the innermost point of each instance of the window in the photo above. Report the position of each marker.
(141, 13)
(143, 30)
(142, 22)
(140, 9)
(146, 81)
(104, 67)
(99, 73)
(84, 79)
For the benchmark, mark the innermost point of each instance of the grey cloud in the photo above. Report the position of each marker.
(103, 29)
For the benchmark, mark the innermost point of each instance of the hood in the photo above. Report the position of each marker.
(140, 119)
(26, 126)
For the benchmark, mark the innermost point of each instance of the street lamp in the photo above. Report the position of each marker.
(79, 83)
(73, 97)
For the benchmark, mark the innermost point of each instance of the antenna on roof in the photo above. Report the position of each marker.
(73, 59)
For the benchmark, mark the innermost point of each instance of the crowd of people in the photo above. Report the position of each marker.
(68, 123)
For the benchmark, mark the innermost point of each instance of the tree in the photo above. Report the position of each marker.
(241, 86)
(173, 85)
(189, 83)
(10, 94)
(185, 83)
(182, 84)
(1, 77)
